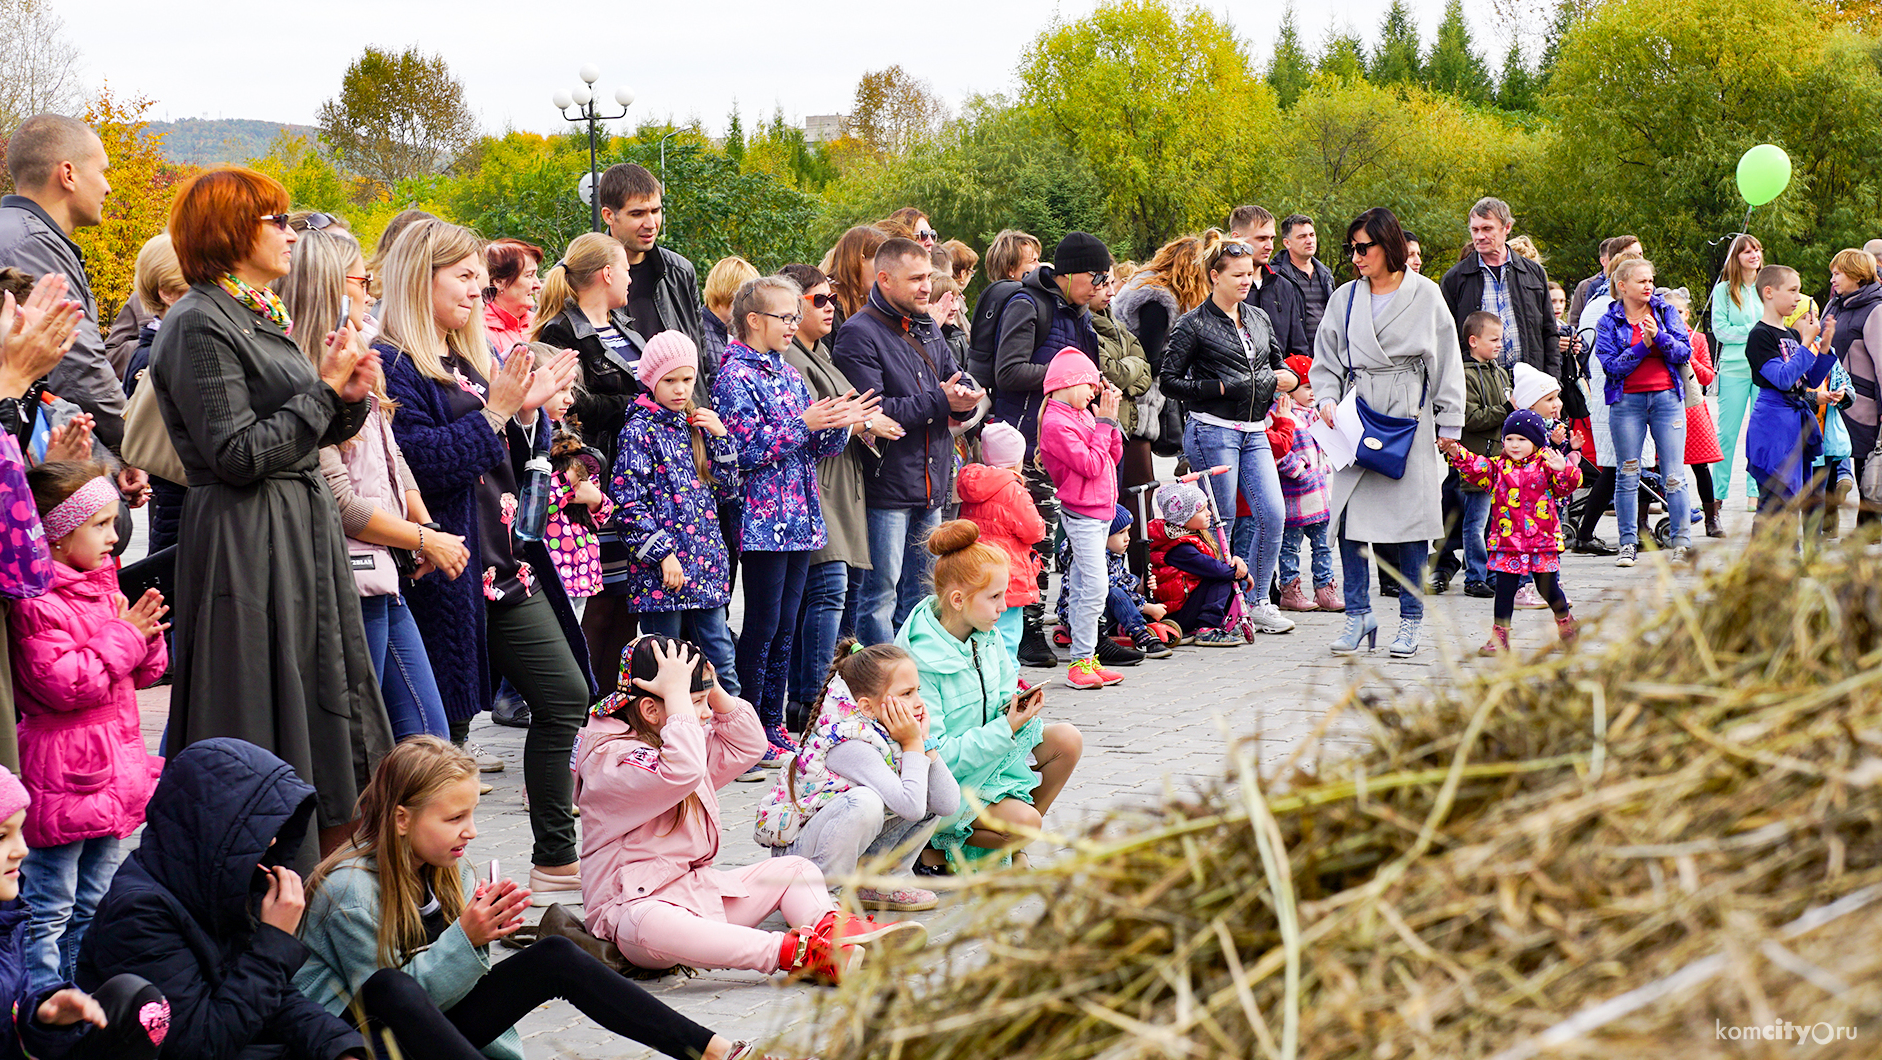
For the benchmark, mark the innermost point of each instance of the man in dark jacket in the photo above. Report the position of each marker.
(1514, 288)
(1080, 265)
(1278, 298)
(206, 909)
(892, 346)
(1308, 273)
(663, 291)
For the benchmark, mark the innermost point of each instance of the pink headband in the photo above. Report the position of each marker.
(70, 514)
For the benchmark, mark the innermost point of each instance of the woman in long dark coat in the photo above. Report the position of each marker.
(270, 647)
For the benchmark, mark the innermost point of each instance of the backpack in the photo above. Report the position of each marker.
(985, 334)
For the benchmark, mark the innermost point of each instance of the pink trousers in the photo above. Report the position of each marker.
(657, 934)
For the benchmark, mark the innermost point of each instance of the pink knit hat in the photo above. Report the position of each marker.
(665, 352)
(13, 797)
(1071, 367)
(1001, 445)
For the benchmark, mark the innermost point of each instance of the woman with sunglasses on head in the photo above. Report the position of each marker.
(380, 507)
(1389, 336)
(1224, 361)
(269, 643)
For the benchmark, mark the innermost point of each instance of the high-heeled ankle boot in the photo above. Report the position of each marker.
(1405, 645)
(1358, 627)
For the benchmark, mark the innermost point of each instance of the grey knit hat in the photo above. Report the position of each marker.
(1179, 502)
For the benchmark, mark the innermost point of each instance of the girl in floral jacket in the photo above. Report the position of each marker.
(1526, 483)
(781, 435)
(676, 466)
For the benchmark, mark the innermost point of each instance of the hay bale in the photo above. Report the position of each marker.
(1654, 822)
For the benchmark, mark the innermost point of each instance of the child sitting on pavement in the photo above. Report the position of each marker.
(1126, 612)
(1192, 579)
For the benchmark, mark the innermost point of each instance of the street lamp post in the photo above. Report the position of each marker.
(587, 108)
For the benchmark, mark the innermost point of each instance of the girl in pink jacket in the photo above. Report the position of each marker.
(1526, 482)
(648, 767)
(80, 653)
(1080, 445)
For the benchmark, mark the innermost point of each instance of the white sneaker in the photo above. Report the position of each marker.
(1528, 599)
(1267, 618)
(486, 762)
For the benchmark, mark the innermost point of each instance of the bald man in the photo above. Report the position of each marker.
(1873, 248)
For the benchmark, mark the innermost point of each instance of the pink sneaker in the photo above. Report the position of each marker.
(1083, 673)
(1528, 599)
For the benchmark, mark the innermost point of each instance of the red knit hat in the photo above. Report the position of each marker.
(1301, 365)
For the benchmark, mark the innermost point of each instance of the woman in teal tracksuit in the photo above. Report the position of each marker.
(1735, 308)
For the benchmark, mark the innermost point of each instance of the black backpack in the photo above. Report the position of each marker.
(985, 336)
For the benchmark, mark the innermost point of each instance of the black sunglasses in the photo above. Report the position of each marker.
(1354, 248)
(927, 233)
(821, 301)
(1236, 249)
(317, 221)
(279, 220)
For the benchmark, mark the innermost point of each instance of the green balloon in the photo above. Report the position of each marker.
(1763, 173)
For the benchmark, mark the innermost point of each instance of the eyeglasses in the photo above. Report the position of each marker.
(821, 301)
(279, 220)
(363, 281)
(927, 235)
(791, 320)
(1356, 249)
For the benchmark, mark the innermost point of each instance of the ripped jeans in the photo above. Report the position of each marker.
(1629, 420)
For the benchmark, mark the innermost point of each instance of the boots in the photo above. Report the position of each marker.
(1328, 598)
(1405, 645)
(1358, 627)
(1034, 650)
(1499, 642)
(557, 920)
(1294, 598)
(1567, 630)
(1711, 508)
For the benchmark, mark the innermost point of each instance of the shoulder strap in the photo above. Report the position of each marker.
(908, 336)
(1346, 332)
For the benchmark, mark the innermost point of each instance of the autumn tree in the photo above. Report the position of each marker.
(1344, 55)
(398, 116)
(1289, 70)
(142, 185)
(1454, 67)
(1162, 104)
(1398, 60)
(894, 111)
(38, 66)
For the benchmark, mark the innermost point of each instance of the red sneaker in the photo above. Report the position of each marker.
(844, 929)
(808, 953)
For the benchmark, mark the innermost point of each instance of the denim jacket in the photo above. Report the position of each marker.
(762, 401)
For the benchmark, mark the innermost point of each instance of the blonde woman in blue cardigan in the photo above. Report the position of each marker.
(399, 927)
(1735, 308)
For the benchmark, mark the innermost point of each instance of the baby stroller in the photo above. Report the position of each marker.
(1652, 491)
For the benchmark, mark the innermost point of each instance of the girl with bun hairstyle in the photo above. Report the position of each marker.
(977, 719)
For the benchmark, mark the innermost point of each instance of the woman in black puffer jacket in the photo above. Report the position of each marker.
(1225, 363)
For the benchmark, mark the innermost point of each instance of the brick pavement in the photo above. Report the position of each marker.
(1158, 731)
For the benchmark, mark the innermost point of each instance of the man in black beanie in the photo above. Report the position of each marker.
(1029, 339)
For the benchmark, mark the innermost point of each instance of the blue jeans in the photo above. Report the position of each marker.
(413, 703)
(1476, 549)
(1119, 607)
(1407, 556)
(774, 590)
(62, 886)
(1316, 534)
(832, 595)
(1088, 582)
(706, 628)
(1630, 419)
(1251, 471)
(898, 556)
(1012, 626)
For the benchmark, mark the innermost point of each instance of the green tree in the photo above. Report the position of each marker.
(1454, 65)
(143, 184)
(1655, 103)
(735, 137)
(312, 180)
(1344, 55)
(1398, 58)
(1162, 106)
(1516, 89)
(398, 116)
(781, 150)
(1289, 71)
(894, 111)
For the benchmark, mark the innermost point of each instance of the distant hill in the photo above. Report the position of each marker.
(209, 141)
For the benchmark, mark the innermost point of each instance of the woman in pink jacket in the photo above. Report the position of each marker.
(648, 768)
(80, 653)
(1080, 444)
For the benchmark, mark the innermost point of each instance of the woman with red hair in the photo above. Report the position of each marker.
(270, 647)
(510, 300)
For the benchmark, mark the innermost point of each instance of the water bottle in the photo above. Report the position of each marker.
(532, 510)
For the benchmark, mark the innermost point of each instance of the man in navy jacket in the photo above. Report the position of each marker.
(892, 346)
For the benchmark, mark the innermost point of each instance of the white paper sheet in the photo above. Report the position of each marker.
(1341, 440)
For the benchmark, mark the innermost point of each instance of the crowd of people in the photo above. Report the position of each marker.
(396, 487)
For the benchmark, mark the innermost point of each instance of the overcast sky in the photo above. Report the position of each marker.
(685, 59)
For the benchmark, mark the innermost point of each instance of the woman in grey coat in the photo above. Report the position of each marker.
(1390, 336)
(270, 647)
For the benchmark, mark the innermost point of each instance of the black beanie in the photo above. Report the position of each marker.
(1080, 252)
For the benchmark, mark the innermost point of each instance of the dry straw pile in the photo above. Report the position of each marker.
(1636, 852)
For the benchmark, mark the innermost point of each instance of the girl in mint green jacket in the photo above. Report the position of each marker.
(1735, 308)
(982, 727)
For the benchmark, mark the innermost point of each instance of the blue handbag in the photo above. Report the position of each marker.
(1385, 441)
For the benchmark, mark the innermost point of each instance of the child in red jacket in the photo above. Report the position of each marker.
(994, 498)
(1192, 580)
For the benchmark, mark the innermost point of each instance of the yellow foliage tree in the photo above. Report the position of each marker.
(142, 186)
